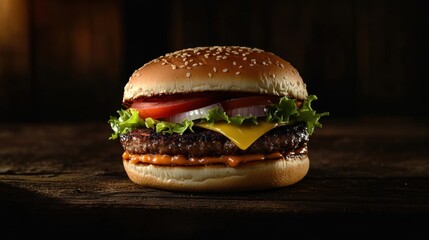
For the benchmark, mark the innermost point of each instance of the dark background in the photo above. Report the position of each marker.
(69, 60)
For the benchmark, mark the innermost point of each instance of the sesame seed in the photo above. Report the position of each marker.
(281, 65)
(251, 65)
(214, 69)
(241, 66)
(225, 70)
(236, 73)
(189, 68)
(186, 63)
(188, 74)
(173, 66)
(195, 64)
(234, 63)
(210, 75)
(245, 58)
(224, 57)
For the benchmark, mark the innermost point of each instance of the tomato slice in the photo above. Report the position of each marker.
(166, 108)
(169, 106)
(249, 101)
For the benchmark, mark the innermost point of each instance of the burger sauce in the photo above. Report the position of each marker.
(230, 160)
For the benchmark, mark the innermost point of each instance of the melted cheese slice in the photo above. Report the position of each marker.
(242, 136)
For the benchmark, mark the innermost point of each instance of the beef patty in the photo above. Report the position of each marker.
(208, 143)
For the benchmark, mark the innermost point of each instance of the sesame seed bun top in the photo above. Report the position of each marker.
(217, 68)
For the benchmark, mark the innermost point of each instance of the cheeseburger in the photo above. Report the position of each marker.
(216, 119)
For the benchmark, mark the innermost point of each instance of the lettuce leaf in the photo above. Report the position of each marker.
(285, 111)
(217, 114)
(129, 119)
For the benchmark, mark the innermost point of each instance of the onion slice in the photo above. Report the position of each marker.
(193, 114)
(257, 111)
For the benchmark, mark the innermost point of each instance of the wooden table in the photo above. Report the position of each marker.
(366, 175)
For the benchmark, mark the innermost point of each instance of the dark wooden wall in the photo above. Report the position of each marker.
(69, 60)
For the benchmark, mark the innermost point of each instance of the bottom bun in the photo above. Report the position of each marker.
(257, 175)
